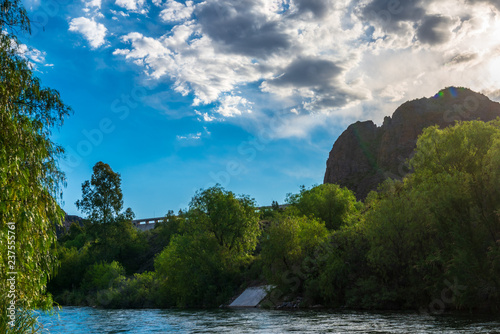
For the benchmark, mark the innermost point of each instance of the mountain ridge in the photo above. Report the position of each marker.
(365, 154)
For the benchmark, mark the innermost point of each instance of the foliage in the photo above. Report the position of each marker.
(73, 264)
(194, 271)
(102, 198)
(117, 241)
(232, 221)
(343, 266)
(102, 275)
(289, 248)
(26, 323)
(139, 291)
(30, 179)
(441, 224)
(328, 202)
(267, 213)
(202, 266)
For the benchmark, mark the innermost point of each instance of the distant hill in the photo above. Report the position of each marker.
(68, 220)
(365, 155)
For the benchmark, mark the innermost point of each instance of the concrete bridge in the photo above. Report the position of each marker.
(149, 223)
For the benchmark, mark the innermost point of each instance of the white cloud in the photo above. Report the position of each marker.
(158, 3)
(92, 3)
(176, 11)
(132, 5)
(35, 56)
(191, 136)
(231, 105)
(205, 116)
(193, 64)
(311, 60)
(93, 32)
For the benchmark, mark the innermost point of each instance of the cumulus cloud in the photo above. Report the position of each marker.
(193, 65)
(92, 3)
(132, 5)
(435, 29)
(391, 15)
(308, 72)
(33, 54)
(308, 57)
(205, 116)
(240, 27)
(176, 11)
(318, 8)
(231, 106)
(93, 32)
(493, 3)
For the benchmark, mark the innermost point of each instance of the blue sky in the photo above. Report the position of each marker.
(180, 95)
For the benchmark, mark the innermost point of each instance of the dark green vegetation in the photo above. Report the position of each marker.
(29, 177)
(429, 241)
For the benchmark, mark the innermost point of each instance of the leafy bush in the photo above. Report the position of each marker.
(102, 275)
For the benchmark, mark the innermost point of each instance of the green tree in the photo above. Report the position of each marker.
(102, 275)
(30, 180)
(441, 224)
(102, 197)
(289, 249)
(195, 271)
(344, 271)
(231, 220)
(202, 264)
(73, 265)
(329, 202)
(118, 241)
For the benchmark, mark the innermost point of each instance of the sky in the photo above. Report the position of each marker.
(177, 96)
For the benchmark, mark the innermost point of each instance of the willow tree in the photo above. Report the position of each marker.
(30, 179)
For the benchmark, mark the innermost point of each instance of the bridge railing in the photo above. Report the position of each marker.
(149, 223)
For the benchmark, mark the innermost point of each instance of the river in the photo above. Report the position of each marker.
(75, 320)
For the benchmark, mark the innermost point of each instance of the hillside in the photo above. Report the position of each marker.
(364, 155)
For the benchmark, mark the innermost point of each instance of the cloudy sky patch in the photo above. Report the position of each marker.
(298, 71)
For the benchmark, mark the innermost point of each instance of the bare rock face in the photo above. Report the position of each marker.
(365, 155)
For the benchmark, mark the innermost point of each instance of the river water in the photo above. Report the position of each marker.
(75, 320)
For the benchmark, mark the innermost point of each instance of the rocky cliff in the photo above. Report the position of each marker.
(365, 154)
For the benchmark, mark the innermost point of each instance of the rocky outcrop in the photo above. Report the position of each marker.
(365, 155)
(68, 220)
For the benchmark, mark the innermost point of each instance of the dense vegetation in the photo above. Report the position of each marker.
(429, 241)
(30, 179)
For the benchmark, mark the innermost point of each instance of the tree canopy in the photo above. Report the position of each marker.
(201, 265)
(30, 179)
(102, 197)
(331, 203)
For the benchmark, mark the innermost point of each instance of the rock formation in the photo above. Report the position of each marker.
(365, 155)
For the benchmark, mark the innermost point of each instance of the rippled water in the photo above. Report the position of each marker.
(86, 320)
